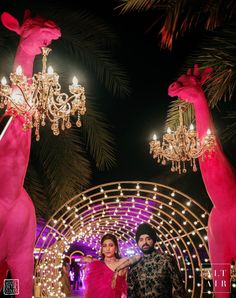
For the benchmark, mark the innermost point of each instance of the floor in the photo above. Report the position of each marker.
(77, 294)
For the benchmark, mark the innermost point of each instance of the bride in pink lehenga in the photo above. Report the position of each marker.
(99, 275)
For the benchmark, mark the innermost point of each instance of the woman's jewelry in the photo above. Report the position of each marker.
(110, 260)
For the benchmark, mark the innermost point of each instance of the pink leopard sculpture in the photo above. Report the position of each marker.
(220, 181)
(17, 214)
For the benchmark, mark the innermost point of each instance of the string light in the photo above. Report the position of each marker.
(90, 226)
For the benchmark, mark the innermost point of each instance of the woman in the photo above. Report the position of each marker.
(65, 280)
(99, 275)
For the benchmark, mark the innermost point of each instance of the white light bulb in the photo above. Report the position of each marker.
(154, 137)
(19, 70)
(50, 70)
(3, 81)
(75, 81)
(208, 131)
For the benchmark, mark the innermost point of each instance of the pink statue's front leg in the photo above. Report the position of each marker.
(17, 215)
(20, 243)
(220, 267)
(220, 256)
(3, 273)
(14, 157)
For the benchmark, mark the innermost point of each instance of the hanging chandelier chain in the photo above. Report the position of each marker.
(45, 52)
(181, 115)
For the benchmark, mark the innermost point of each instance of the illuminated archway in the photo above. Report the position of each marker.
(119, 207)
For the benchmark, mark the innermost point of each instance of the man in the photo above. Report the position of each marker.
(156, 275)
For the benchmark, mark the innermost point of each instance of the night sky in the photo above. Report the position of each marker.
(133, 119)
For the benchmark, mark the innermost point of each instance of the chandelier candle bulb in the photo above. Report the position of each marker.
(18, 77)
(75, 81)
(50, 70)
(19, 70)
(3, 81)
(6, 89)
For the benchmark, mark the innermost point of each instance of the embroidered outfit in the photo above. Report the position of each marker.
(98, 279)
(154, 277)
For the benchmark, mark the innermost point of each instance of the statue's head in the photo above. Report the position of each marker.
(34, 32)
(189, 85)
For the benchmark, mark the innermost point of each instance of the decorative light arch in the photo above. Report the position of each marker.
(77, 252)
(119, 207)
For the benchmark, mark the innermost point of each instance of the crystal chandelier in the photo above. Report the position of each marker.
(180, 146)
(40, 98)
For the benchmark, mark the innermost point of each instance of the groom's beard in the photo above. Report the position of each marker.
(147, 249)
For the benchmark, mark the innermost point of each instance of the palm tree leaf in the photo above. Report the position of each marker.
(64, 164)
(230, 131)
(137, 5)
(91, 43)
(180, 15)
(7, 52)
(35, 187)
(93, 57)
(100, 142)
(219, 54)
(216, 49)
(173, 114)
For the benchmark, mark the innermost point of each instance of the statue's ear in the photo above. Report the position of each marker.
(10, 22)
(206, 74)
(27, 14)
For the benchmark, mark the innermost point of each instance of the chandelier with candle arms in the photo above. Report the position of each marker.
(40, 98)
(181, 146)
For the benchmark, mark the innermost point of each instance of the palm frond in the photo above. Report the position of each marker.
(63, 163)
(173, 114)
(230, 130)
(7, 52)
(91, 43)
(216, 49)
(137, 5)
(35, 187)
(99, 140)
(98, 59)
(180, 15)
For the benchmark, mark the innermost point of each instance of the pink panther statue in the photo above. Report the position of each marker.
(17, 214)
(220, 181)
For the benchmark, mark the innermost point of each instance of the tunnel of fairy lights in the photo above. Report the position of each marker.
(118, 208)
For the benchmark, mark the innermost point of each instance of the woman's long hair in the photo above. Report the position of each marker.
(114, 240)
